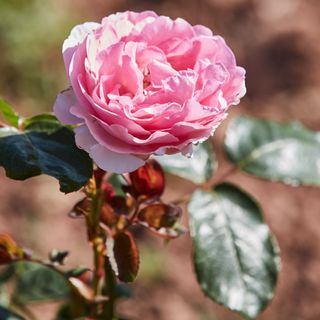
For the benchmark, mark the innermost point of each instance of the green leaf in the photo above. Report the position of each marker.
(28, 154)
(45, 122)
(36, 283)
(9, 114)
(235, 257)
(117, 182)
(197, 169)
(286, 152)
(6, 274)
(6, 314)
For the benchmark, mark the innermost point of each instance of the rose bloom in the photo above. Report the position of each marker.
(144, 84)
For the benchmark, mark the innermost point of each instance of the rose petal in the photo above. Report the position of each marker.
(114, 162)
(77, 35)
(64, 102)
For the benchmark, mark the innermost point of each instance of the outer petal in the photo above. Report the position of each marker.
(103, 157)
(84, 139)
(114, 162)
(77, 35)
(65, 100)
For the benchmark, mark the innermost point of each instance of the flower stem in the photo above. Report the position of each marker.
(103, 275)
(97, 239)
(111, 286)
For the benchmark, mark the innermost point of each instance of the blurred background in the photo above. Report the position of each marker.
(278, 44)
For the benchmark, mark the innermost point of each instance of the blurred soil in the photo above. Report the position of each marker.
(278, 44)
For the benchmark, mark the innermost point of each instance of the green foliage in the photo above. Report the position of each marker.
(235, 258)
(37, 283)
(6, 314)
(45, 122)
(286, 152)
(117, 181)
(9, 114)
(197, 169)
(31, 153)
(31, 36)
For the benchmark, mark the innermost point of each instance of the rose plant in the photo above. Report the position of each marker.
(146, 94)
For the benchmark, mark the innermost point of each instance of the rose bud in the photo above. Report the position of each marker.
(148, 181)
(108, 191)
(98, 175)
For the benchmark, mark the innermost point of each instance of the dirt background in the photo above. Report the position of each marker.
(278, 44)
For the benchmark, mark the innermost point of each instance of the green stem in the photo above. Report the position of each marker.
(111, 291)
(98, 245)
(103, 275)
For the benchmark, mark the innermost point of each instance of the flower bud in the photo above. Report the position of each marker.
(148, 181)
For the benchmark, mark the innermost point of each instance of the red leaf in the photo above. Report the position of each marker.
(108, 191)
(126, 255)
(9, 250)
(160, 215)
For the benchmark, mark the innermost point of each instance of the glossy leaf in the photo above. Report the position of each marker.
(9, 114)
(126, 256)
(197, 169)
(235, 257)
(36, 283)
(160, 215)
(148, 181)
(6, 314)
(24, 155)
(286, 152)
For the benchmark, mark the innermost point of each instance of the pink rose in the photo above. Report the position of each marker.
(144, 84)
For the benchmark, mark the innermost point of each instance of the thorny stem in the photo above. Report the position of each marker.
(97, 243)
(97, 236)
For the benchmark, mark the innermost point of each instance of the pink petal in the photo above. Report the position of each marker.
(77, 35)
(84, 138)
(114, 162)
(64, 102)
(160, 71)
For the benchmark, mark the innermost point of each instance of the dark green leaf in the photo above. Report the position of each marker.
(30, 154)
(36, 283)
(77, 272)
(6, 273)
(198, 169)
(6, 314)
(235, 257)
(9, 114)
(286, 152)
